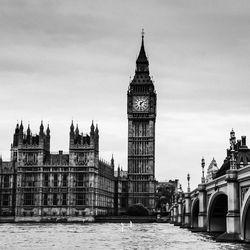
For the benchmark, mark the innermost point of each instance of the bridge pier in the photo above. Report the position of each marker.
(179, 216)
(171, 215)
(175, 213)
(233, 215)
(202, 217)
(187, 215)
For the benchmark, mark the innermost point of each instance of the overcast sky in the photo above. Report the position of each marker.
(64, 60)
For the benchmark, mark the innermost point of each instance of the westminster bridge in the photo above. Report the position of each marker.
(221, 202)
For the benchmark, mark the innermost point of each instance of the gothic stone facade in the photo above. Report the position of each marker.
(39, 185)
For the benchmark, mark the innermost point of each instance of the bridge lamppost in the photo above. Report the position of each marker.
(179, 202)
(187, 215)
(202, 217)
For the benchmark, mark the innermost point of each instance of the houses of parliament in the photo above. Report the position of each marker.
(38, 185)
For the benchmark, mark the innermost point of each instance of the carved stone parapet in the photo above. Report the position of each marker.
(232, 175)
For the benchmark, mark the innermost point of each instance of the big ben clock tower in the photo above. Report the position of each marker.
(141, 109)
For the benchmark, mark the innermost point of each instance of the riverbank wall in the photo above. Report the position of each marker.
(85, 219)
(35, 219)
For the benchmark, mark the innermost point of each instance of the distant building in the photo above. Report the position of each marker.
(40, 185)
(211, 170)
(165, 191)
(241, 154)
(37, 184)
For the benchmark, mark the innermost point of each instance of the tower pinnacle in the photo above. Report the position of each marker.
(142, 60)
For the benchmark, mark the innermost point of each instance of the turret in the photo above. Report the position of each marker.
(96, 130)
(48, 131)
(28, 135)
(15, 137)
(92, 134)
(41, 134)
(28, 130)
(118, 171)
(71, 134)
(92, 129)
(72, 127)
(17, 129)
(77, 130)
(20, 137)
(21, 127)
(48, 138)
(112, 162)
(41, 129)
(96, 137)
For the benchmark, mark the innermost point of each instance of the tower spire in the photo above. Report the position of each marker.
(142, 60)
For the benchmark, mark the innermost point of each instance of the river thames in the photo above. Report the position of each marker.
(106, 236)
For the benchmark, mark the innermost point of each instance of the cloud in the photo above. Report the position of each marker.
(72, 59)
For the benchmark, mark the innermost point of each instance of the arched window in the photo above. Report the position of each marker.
(6, 181)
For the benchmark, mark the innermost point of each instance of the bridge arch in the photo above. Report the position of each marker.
(245, 217)
(195, 213)
(217, 212)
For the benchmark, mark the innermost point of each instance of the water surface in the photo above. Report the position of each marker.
(106, 236)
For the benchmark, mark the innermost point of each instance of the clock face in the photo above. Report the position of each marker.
(140, 103)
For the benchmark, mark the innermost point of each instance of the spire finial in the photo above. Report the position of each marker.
(142, 33)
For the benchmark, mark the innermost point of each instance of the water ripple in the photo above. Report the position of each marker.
(106, 236)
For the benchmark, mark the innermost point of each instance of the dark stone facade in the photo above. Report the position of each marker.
(37, 185)
(141, 110)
